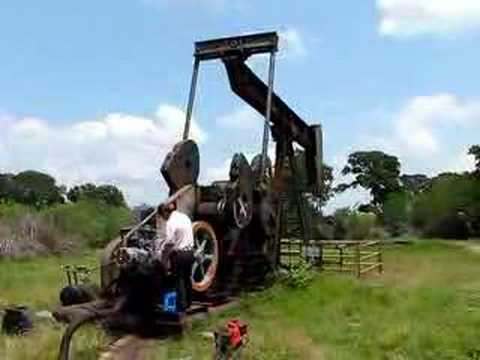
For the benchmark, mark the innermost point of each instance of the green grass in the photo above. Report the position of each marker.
(36, 282)
(425, 306)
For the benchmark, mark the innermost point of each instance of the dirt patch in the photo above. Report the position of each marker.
(128, 348)
(297, 339)
(310, 350)
(472, 245)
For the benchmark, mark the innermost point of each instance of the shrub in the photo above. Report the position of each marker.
(449, 208)
(298, 275)
(96, 222)
(27, 233)
(350, 224)
(447, 227)
(323, 228)
(378, 233)
(63, 227)
(340, 218)
(10, 212)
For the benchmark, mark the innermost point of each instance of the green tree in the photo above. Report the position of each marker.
(396, 212)
(109, 194)
(36, 189)
(475, 152)
(375, 171)
(6, 187)
(414, 183)
(80, 192)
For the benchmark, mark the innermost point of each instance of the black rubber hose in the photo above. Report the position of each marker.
(64, 353)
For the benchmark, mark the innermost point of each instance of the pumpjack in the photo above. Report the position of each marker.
(237, 223)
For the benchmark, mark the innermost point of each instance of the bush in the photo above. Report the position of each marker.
(10, 212)
(323, 228)
(450, 208)
(297, 276)
(63, 227)
(378, 233)
(340, 218)
(25, 232)
(96, 222)
(350, 224)
(447, 227)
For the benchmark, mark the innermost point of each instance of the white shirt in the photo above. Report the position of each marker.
(179, 231)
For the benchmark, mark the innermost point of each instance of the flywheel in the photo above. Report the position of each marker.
(206, 256)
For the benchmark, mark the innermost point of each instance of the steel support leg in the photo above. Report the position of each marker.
(268, 112)
(191, 98)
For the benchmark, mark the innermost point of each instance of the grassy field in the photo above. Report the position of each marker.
(425, 306)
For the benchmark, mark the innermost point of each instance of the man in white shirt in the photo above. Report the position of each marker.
(179, 237)
(179, 229)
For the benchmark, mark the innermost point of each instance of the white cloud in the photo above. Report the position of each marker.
(412, 17)
(461, 161)
(292, 43)
(243, 118)
(417, 125)
(215, 173)
(351, 198)
(123, 149)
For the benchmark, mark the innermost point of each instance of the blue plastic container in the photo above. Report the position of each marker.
(170, 302)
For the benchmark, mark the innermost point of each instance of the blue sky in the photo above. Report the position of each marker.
(94, 90)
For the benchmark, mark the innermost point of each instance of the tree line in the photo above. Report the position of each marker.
(446, 205)
(40, 190)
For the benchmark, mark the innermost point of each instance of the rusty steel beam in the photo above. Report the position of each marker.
(254, 92)
(243, 46)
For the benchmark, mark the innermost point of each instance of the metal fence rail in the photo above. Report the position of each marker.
(357, 257)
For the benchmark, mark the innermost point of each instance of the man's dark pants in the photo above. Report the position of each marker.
(183, 260)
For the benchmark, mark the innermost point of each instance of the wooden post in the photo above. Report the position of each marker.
(358, 259)
(321, 255)
(380, 260)
(341, 258)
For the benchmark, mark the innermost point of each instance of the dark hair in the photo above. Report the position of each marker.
(166, 209)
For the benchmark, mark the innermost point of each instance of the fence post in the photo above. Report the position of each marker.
(380, 259)
(358, 259)
(340, 250)
(321, 255)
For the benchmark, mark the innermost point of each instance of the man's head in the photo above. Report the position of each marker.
(165, 210)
